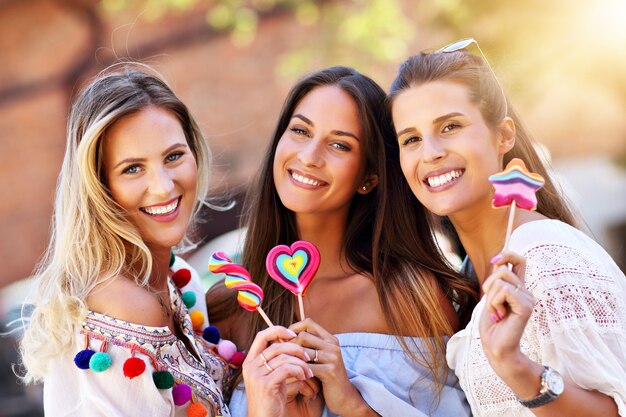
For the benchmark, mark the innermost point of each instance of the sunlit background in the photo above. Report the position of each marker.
(563, 64)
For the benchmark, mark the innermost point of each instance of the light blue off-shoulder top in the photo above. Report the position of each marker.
(388, 379)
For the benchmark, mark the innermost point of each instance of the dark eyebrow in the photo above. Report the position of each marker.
(303, 118)
(436, 121)
(135, 160)
(334, 132)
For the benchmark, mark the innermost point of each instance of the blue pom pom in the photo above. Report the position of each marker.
(100, 362)
(189, 298)
(82, 358)
(211, 334)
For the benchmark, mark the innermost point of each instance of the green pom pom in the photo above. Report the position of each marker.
(100, 361)
(189, 298)
(163, 379)
(172, 258)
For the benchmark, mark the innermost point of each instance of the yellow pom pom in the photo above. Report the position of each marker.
(197, 319)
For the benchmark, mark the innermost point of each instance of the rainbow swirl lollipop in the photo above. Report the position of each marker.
(249, 294)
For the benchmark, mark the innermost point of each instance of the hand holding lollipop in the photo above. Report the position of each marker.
(294, 267)
(515, 186)
(249, 294)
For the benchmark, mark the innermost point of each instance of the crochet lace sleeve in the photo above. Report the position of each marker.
(579, 321)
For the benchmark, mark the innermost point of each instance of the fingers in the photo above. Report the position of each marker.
(267, 336)
(504, 299)
(309, 326)
(517, 261)
(285, 348)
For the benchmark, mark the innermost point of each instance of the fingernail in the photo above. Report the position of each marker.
(496, 258)
(308, 358)
(311, 373)
(500, 317)
(291, 332)
(494, 318)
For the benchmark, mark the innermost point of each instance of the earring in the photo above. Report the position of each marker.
(364, 188)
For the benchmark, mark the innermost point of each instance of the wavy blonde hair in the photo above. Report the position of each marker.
(91, 240)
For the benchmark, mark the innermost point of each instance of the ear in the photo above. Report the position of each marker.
(369, 183)
(506, 141)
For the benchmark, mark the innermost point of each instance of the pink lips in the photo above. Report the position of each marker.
(165, 217)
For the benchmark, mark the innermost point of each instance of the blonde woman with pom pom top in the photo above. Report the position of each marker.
(118, 321)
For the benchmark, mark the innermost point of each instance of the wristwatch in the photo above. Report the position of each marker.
(551, 387)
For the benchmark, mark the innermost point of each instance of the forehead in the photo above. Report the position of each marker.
(436, 97)
(146, 131)
(330, 105)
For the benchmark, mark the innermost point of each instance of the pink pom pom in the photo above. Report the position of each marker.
(181, 394)
(238, 359)
(226, 349)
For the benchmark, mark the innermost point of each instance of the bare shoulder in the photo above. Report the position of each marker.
(123, 299)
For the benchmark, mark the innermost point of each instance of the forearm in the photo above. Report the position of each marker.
(355, 406)
(523, 376)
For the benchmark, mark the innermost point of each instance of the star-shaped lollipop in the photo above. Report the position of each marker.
(515, 186)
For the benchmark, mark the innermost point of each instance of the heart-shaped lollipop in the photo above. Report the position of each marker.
(294, 267)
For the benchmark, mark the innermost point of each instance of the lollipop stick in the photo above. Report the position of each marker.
(509, 227)
(301, 304)
(267, 319)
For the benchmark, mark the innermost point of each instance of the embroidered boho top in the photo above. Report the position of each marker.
(71, 391)
(578, 325)
(388, 379)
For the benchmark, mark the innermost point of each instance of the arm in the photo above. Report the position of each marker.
(502, 324)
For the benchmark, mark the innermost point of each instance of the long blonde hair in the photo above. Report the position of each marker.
(91, 241)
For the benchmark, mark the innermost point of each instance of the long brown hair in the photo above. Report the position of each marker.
(400, 261)
(484, 90)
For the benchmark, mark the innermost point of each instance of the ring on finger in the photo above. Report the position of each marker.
(316, 358)
(267, 365)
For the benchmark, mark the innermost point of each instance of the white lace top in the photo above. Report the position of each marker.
(578, 325)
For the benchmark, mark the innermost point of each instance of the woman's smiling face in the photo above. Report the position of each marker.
(447, 151)
(319, 162)
(151, 173)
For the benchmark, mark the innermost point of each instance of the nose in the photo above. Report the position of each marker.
(161, 182)
(310, 153)
(432, 149)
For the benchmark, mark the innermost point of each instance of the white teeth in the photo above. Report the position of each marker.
(443, 179)
(305, 180)
(161, 209)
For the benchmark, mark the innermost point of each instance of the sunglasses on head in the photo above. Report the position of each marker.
(464, 43)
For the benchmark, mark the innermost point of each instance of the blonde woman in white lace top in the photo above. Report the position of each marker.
(548, 336)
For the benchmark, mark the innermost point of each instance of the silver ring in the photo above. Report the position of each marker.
(267, 365)
(315, 359)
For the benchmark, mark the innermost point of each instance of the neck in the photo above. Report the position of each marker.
(160, 267)
(482, 232)
(327, 233)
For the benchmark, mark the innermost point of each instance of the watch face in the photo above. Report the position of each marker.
(554, 381)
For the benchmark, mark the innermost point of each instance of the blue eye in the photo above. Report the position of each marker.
(174, 156)
(133, 169)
